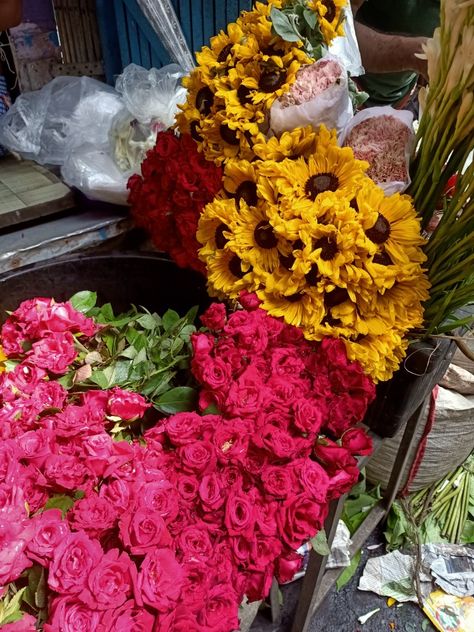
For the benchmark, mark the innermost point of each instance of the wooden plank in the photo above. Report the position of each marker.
(133, 38)
(44, 194)
(121, 15)
(208, 21)
(197, 9)
(145, 52)
(220, 17)
(185, 17)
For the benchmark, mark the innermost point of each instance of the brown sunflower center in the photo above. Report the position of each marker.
(271, 80)
(264, 236)
(294, 298)
(329, 320)
(353, 204)
(313, 277)
(383, 259)
(331, 10)
(319, 183)
(235, 267)
(224, 53)
(204, 100)
(219, 237)
(247, 191)
(228, 135)
(195, 135)
(336, 297)
(380, 231)
(287, 261)
(328, 248)
(244, 94)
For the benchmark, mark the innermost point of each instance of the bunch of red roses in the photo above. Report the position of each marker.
(169, 532)
(168, 197)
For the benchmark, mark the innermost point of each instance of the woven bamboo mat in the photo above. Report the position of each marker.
(29, 191)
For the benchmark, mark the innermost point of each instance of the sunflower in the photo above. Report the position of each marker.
(228, 275)
(214, 225)
(224, 137)
(380, 355)
(254, 239)
(331, 17)
(240, 181)
(392, 224)
(330, 168)
(3, 357)
(302, 308)
(214, 60)
(200, 103)
(299, 142)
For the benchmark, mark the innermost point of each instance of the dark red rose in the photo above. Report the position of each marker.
(357, 441)
(301, 518)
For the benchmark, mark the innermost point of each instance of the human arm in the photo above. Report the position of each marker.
(10, 13)
(385, 52)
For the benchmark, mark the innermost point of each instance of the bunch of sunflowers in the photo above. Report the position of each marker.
(245, 70)
(320, 244)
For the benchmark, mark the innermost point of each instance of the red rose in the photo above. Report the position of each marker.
(309, 414)
(357, 441)
(188, 486)
(183, 428)
(92, 514)
(249, 330)
(167, 144)
(129, 617)
(278, 442)
(160, 580)
(231, 439)
(278, 481)
(219, 612)
(160, 496)
(314, 480)
(214, 317)
(239, 514)
(211, 492)
(339, 464)
(194, 543)
(258, 584)
(249, 302)
(68, 473)
(55, 352)
(247, 395)
(69, 615)
(73, 560)
(302, 518)
(216, 375)
(287, 566)
(198, 457)
(196, 582)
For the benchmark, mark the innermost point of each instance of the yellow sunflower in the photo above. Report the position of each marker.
(3, 357)
(302, 308)
(254, 239)
(380, 356)
(200, 103)
(224, 137)
(330, 168)
(331, 17)
(214, 60)
(391, 223)
(299, 142)
(214, 227)
(228, 275)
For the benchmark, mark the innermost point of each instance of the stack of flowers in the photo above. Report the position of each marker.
(170, 528)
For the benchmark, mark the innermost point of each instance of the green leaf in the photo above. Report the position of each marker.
(191, 315)
(177, 400)
(129, 352)
(349, 572)
(140, 357)
(62, 502)
(310, 18)
(100, 378)
(169, 320)
(67, 381)
(84, 301)
(320, 543)
(211, 410)
(41, 594)
(10, 609)
(147, 321)
(467, 536)
(107, 312)
(283, 26)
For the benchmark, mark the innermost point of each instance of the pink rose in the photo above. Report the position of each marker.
(247, 395)
(24, 380)
(69, 615)
(183, 428)
(12, 338)
(249, 330)
(97, 450)
(258, 584)
(48, 395)
(51, 530)
(112, 581)
(10, 467)
(118, 493)
(60, 317)
(211, 492)
(160, 580)
(357, 441)
(196, 582)
(215, 316)
(26, 624)
(286, 363)
(278, 442)
(34, 487)
(68, 473)
(187, 486)
(126, 404)
(215, 375)
(73, 560)
(14, 537)
(92, 514)
(12, 502)
(142, 530)
(231, 439)
(36, 445)
(55, 352)
(128, 618)
(162, 497)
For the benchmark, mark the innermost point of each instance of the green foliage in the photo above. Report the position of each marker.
(138, 351)
(296, 23)
(10, 606)
(348, 573)
(359, 503)
(62, 502)
(320, 543)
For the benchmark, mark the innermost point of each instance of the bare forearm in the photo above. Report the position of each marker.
(383, 52)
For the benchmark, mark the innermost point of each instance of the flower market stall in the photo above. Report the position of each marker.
(170, 438)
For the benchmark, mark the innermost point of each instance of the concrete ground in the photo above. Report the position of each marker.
(341, 609)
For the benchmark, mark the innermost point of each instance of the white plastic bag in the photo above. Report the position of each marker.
(380, 150)
(346, 48)
(332, 107)
(43, 125)
(152, 95)
(130, 140)
(93, 171)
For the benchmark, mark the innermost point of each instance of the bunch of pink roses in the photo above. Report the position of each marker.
(168, 532)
